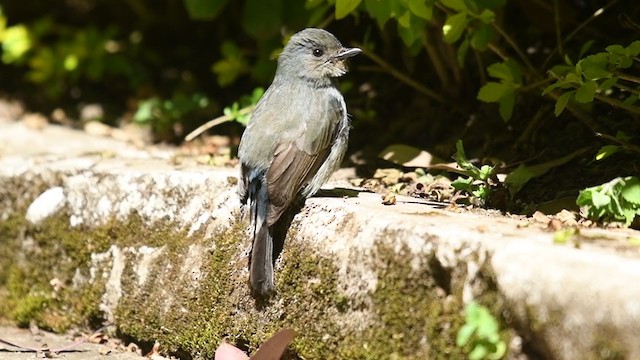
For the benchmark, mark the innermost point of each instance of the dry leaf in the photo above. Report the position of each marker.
(275, 346)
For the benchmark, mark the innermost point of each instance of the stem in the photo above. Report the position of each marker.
(556, 15)
(217, 121)
(577, 29)
(401, 76)
(617, 103)
(627, 77)
(515, 47)
(437, 62)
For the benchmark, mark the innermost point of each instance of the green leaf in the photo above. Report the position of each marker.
(461, 158)
(457, 5)
(421, 8)
(595, 66)
(631, 190)
(520, 176)
(630, 100)
(500, 71)
(454, 26)
(146, 109)
(344, 7)
(615, 49)
(464, 334)
(481, 37)
(487, 16)
(607, 151)
(633, 49)
(599, 199)
(507, 103)
(405, 19)
(562, 101)
(586, 92)
(204, 9)
(379, 10)
(585, 47)
(461, 54)
(607, 84)
(15, 43)
(493, 91)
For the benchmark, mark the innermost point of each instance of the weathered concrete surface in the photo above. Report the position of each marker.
(356, 277)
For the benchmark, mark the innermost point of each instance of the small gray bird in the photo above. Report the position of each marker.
(295, 140)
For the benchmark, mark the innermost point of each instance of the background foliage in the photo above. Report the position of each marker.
(547, 87)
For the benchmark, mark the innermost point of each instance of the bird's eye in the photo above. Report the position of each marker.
(318, 52)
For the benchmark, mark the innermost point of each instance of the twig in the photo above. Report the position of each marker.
(217, 121)
(627, 77)
(576, 30)
(556, 15)
(613, 102)
(400, 76)
(515, 47)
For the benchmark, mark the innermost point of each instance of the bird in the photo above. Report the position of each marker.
(296, 138)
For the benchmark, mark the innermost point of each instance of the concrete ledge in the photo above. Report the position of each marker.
(128, 236)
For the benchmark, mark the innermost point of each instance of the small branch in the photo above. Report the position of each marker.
(401, 76)
(596, 14)
(215, 122)
(617, 103)
(627, 77)
(536, 84)
(496, 50)
(515, 47)
(437, 62)
(584, 117)
(556, 15)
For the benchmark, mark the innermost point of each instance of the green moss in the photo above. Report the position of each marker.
(40, 262)
(414, 318)
(413, 313)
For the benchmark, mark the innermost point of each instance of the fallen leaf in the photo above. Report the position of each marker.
(406, 155)
(275, 346)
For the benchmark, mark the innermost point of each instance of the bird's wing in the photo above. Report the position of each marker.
(297, 160)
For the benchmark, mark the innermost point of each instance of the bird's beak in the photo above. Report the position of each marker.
(347, 53)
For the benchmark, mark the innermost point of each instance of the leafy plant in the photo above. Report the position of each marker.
(480, 334)
(595, 76)
(503, 92)
(477, 181)
(163, 114)
(240, 111)
(616, 200)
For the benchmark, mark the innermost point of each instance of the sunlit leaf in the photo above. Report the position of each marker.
(607, 151)
(454, 26)
(421, 8)
(457, 5)
(345, 7)
(631, 190)
(15, 43)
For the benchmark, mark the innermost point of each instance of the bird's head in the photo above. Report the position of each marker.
(315, 55)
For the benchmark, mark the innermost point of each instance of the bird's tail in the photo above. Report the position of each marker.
(261, 268)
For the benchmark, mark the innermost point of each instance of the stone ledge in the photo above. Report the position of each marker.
(357, 279)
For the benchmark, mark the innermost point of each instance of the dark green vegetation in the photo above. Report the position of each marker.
(548, 87)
